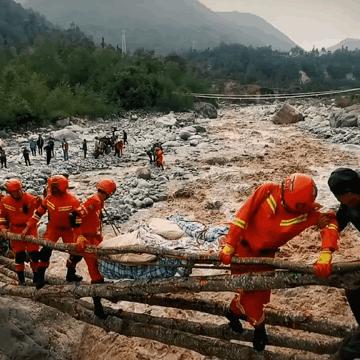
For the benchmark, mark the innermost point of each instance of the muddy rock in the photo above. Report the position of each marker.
(143, 173)
(206, 110)
(287, 115)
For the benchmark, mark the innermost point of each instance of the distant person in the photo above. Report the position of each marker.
(84, 148)
(33, 145)
(65, 148)
(159, 157)
(52, 146)
(150, 154)
(26, 154)
(125, 137)
(119, 148)
(48, 152)
(3, 158)
(40, 144)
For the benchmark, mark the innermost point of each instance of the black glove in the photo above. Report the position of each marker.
(25, 209)
(73, 216)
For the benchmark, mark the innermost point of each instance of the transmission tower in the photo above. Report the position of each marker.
(123, 42)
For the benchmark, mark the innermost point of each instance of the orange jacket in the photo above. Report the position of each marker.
(262, 223)
(16, 213)
(59, 208)
(90, 213)
(160, 156)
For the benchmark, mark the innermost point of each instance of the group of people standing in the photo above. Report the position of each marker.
(69, 219)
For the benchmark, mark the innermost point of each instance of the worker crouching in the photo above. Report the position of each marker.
(269, 218)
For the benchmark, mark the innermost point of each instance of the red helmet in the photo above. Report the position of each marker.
(59, 181)
(108, 186)
(13, 185)
(299, 192)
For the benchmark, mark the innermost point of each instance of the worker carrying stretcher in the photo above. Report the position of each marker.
(269, 218)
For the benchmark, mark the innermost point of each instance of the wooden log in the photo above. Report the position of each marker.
(294, 319)
(258, 281)
(201, 344)
(323, 346)
(183, 255)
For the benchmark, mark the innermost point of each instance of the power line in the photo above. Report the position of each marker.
(274, 96)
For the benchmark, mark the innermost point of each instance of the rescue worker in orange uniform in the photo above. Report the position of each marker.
(60, 205)
(90, 233)
(269, 218)
(16, 209)
(159, 157)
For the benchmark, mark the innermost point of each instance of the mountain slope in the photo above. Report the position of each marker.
(351, 44)
(19, 25)
(260, 28)
(163, 25)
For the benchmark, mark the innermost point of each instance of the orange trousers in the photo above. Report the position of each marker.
(53, 234)
(91, 259)
(250, 303)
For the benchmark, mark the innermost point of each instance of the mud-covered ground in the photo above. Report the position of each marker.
(241, 150)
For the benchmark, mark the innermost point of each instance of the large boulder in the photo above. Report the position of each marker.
(143, 173)
(67, 133)
(349, 117)
(206, 110)
(63, 122)
(167, 120)
(287, 115)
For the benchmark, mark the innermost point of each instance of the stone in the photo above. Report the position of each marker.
(147, 202)
(167, 120)
(287, 115)
(143, 173)
(66, 133)
(63, 122)
(206, 110)
(194, 142)
(348, 117)
(184, 135)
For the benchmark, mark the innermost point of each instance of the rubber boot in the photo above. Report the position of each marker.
(71, 275)
(40, 278)
(21, 278)
(260, 339)
(234, 322)
(35, 277)
(98, 308)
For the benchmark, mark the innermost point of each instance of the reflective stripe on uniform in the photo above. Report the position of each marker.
(9, 207)
(332, 227)
(50, 205)
(294, 221)
(64, 208)
(240, 223)
(272, 203)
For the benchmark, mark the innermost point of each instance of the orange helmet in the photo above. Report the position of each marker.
(108, 186)
(299, 192)
(59, 181)
(13, 185)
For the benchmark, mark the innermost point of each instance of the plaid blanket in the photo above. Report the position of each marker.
(164, 268)
(198, 230)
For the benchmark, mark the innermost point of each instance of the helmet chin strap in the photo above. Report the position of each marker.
(283, 203)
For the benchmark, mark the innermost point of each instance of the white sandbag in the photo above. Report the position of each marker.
(128, 239)
(165, 228)
(138, 259)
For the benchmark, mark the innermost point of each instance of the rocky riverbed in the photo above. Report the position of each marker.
(211, 166)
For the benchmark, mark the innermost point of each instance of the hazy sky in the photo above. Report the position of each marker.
(307, 22)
